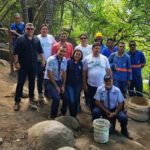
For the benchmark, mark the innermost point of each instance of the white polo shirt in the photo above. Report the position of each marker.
(96, 69)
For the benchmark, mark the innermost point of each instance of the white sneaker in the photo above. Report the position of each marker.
(42, 99)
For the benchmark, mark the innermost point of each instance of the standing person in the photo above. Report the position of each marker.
(109, 104)
(110, 48)
(54, 81)
(25, 56)
(138, 61)
(86, 50)
(74, 81)
(63, 42)
(99, 38)
(47, 41)
(121, 68)
(95, 66)
(84, 46)
(16, 30)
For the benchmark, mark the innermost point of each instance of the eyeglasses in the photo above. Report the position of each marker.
(132, 45)
(83, 38)
(31, 29)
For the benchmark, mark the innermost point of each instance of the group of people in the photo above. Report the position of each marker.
(105, 72)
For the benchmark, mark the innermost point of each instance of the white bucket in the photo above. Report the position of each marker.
(101, 130)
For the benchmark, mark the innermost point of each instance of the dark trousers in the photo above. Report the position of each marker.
(136, 87)
(91, 93)
(56, 97)
(121, 117)
(40, 78)
(23, 73)
(73, 98)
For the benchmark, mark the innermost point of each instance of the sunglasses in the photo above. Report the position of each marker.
(31, 29)
(132, 45)
(83, 38)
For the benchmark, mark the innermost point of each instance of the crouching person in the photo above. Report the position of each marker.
(54, 81)
(109, 105)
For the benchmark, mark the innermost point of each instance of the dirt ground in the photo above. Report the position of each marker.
(13, 125)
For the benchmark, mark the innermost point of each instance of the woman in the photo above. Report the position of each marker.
(74, 81)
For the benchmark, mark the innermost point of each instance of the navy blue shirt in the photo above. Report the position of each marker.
(27, 51)
(74, 73)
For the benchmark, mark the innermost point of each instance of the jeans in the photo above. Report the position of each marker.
(73, 98)
(121, 117)
(40, 78)
(136, 85)
(122, 85)
(91, 93)
(23, 73)
(53, 93)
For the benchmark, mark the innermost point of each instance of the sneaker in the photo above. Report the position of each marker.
(42, 99)
(17, 106)
(33, 103)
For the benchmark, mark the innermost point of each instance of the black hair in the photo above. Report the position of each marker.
(77, 50)
(110, 39)
(83, 34)
(43, 25)
(95, 44)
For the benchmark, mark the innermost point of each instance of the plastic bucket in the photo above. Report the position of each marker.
(101, 130)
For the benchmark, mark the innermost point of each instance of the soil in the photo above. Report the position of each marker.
(14, 125)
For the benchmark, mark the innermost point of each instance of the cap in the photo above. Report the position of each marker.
(98, 34)
(106, 77)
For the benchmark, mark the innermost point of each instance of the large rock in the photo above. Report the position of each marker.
(49, 135)
(71, 123)
(66, 148)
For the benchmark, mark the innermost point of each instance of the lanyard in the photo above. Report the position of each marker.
(108, 99)
(59, 60)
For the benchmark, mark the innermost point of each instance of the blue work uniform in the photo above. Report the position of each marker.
(137, 62)
(107, 52)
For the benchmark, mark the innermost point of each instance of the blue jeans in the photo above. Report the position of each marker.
(121, 117)
(53, 93)
(122, 85)
(73, 98)
(40, 78)
(23, 73)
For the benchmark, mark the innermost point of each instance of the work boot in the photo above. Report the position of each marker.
(125, 133)
(33, 103)
(17, 106)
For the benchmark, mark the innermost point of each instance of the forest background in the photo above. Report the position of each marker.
(122, 20)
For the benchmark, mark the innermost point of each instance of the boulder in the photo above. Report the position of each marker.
(66, 148)
(71, 123)
(50, 135)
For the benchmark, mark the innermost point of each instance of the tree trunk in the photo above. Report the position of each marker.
(50, 13)
(24, 10)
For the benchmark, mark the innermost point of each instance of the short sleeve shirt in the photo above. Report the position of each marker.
(52, 65)
(115, 96)
(96, 69)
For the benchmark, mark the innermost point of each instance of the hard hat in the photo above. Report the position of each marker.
(98, 34)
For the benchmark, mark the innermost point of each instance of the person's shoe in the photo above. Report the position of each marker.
(127, 134)
(33, 103)
(16, 106)
(42, 99)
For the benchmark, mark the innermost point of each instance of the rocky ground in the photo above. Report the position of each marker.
(13, 125)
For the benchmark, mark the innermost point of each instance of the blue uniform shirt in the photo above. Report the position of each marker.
(106, 52)
(115, 96)
(137, 62)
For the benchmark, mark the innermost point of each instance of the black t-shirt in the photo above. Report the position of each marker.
(27, 51)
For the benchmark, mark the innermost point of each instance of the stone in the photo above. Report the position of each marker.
(66, 148)
(71, 123)
(93, 147)
(50, 135)
(1, 141)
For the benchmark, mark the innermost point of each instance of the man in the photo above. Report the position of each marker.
(95, 66)
(109, 104)
(121, 68)
(63, 42)
(25, 60)
(16, 29)
(47, 41)
(55, 78)
(137, 63)
(99, 38)
(110, 48)
(86, 50)
(84, 46)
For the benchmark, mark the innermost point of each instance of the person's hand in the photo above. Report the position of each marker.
(58, 89)
(43, 62)
(62, 89)
(17, 65)
(112, 115)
